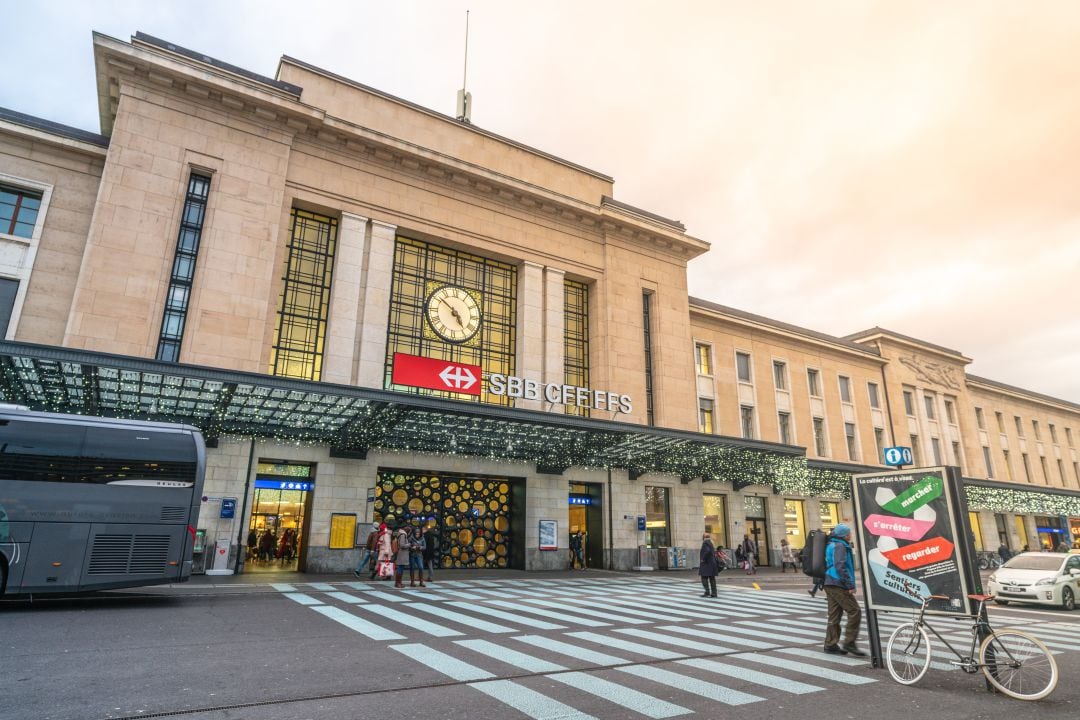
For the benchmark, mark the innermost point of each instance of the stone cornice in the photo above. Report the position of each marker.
(1021, 394)
(156, 67)
(802, 335)
(53, 139)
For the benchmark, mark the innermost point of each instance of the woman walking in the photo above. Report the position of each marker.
(382, 550)
(787, 556)
(708, 566)
(749, 553)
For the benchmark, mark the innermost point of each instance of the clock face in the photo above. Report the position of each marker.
(453, 313)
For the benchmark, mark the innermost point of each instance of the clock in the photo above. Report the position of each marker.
(453, 313)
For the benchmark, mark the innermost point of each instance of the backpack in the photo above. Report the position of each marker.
(394, 545)
(814, 554)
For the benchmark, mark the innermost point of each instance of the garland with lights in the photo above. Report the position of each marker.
(1021, 501)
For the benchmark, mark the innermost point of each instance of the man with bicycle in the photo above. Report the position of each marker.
(840, 589)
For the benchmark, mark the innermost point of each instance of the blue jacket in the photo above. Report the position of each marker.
(839, 566)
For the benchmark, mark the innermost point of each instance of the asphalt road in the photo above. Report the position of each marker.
(592, 644)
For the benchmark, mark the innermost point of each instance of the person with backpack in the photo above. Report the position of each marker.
(840, 589)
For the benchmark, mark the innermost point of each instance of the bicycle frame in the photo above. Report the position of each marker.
(980, 630)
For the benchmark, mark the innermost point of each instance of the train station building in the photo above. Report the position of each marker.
(377, 312)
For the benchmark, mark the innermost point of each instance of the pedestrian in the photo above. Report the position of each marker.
(400, 550)
(575, 549)
(382, 550)
(266, 545)
(416, 556)
(708, 566)
(369, 553)
(1004, 553)
(431, 542)
(749, 553)
(840, 589)
(787, 556)
(1027, 548)
(252, 544)
(1063, 547)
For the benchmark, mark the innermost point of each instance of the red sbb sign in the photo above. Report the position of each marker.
(919, 554)
(423, 372)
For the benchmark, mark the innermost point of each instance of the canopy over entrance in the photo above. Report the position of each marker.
(352, 420)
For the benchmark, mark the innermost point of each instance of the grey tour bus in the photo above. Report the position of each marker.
(90, 503)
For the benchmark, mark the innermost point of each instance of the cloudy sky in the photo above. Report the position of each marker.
(912, 165)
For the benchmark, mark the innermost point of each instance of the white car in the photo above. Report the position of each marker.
(1038, 577)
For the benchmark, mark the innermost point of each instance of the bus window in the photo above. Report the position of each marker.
(45, 452)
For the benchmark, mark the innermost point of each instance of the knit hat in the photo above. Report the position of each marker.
(841, 530)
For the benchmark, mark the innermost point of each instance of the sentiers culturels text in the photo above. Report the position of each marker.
(525, 389)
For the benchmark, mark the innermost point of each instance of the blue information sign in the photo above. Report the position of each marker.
(228, 508)
(267, 484)
(898, 456)
(641, 522)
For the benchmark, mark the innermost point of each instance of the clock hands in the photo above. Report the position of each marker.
(456, 314)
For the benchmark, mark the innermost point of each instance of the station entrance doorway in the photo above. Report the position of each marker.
(586, 517)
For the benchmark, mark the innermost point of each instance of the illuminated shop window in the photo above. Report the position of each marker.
(716, 518)
(656, 517)
(576, 339)
(305, 297)
(421, 269)
(795, 522)
(829, 515)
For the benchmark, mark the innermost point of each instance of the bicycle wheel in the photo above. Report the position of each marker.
(1018, 665)
(908, 654)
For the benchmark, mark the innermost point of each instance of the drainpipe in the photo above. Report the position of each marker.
(610, 526)
(241, 545)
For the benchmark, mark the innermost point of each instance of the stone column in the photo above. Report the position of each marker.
(375, 314)
(342, 321)
(554, 329)
(530, 327)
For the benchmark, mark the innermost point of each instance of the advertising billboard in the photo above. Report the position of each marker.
(913, 539)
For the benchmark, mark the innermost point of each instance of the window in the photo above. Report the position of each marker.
(705, 415)
(916, 452)
(576, 339)
(845, 389)
(420, 268)
(795, 523)
(742, 366)
(980, 420)
(784, 420)
(819, 437)
(1008, 465)
(950, 412)
(957, 457)
(702, 354)
(1068, 436)
(1076, 473)
(935, 446)
(909, 403)
(976, 529)
(813, 379)
(872, 390)
(18, 211)
(183, 269)
(305, 297)
(1045, 469)
(716, 518)
(879, 443)
(646, 318)
(1053, 433)
(1019, 426)
(1061, 471)
(779, 371)
(829, 514)
(849, 436)
(1002, 530)
(8, 290)
(928, 400)
(1027, 466)
(1000, 422)
(1035, 427)
(986, 460)
(746, 418)
(656, 517)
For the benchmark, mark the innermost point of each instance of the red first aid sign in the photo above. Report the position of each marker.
(433, 374)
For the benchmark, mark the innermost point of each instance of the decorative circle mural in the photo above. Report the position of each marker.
(470, 517)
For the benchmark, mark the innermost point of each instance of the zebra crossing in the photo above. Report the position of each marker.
(616, 646)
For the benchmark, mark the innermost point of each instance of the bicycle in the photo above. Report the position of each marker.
(1015, 663)
(989, 561)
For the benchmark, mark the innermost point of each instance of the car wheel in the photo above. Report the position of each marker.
(1001, 602)
(1068, 600)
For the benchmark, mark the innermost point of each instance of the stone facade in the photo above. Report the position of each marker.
(95, 276)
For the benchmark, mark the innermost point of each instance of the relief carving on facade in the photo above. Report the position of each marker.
(931, 372)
